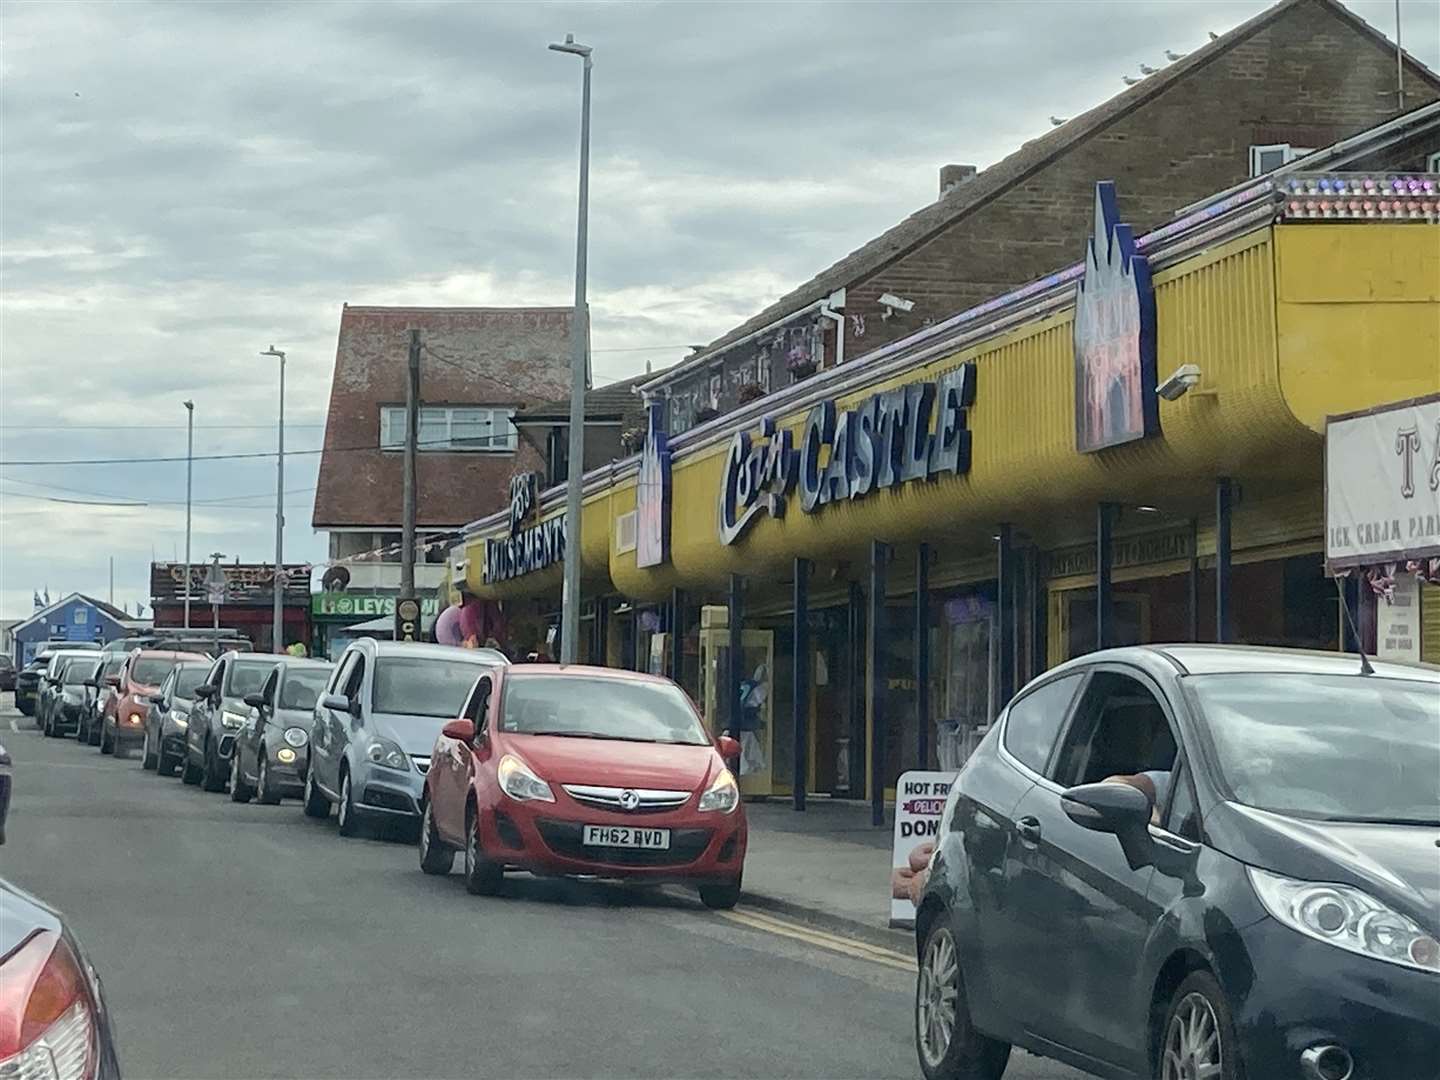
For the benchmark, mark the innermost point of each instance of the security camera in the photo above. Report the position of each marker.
(893, 303)
(1180, 382)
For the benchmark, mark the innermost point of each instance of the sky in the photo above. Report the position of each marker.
(183, 185)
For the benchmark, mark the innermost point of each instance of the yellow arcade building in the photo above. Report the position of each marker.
(856, 571)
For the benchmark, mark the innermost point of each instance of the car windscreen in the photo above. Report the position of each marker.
(423, 685)
(635, 710)
(1331, 747)
(302, 688)
(151, 670)
(246, 677)
(188, 678)
(77, 671)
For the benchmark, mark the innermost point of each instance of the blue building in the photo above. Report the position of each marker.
(76, 617)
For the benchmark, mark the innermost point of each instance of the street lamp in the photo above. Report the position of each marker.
(279, 583)
(189, 470)
(579, 337)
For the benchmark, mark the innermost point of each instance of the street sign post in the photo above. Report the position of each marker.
(407, 619)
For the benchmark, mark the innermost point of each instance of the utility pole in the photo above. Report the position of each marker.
(278, 632)
(111, 597)
(579, 377)
(189, 470)
(1399, 64)
(407, 610)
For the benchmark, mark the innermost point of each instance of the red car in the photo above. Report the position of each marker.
(564, 770)
(123, 723)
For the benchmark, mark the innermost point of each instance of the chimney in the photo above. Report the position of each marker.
(952, 176)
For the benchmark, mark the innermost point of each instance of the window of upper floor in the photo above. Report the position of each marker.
(482, 429)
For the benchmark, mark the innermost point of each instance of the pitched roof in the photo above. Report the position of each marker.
(513, 357)
(110, 611)
(1012, 170)
(613, 401)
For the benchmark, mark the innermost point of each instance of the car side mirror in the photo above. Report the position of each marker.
(337, 702)
(729, 748)
(202, 692)
(255, 701)
(92, 684)
(156, 699)
(112, 680)
(1114, 808)
(461, 730)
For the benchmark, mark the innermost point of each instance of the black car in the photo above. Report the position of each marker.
(7, 672)
(269, 755)
(169, 715)
(27, 685)
(48, 987)
(220, 710)
(1272, 913)
(69, 703)
(102, 690)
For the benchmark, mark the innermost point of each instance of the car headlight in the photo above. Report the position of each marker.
(517, 781)
(231, 720)
(1347, 918)
(296, 736)
(386, 753)
(722, 794)
(179, 719)
(285, 756)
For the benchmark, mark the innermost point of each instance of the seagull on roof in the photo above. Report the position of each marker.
(1146, 69)
(1129, 80)
(1214, 36)
(1056, 121)
(1172, 55)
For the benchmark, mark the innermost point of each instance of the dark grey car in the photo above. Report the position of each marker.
(99, 695)
(272, 751)
(220, 709)
(67, 694)
(168, 717)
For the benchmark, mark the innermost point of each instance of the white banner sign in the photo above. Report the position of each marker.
(1397, 623)
(919, 802)
(1382, 485)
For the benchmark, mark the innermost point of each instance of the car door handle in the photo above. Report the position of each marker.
(1029, 830)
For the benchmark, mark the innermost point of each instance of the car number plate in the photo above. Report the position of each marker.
(626, 836)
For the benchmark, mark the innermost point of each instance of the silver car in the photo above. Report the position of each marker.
(376, 724)
(269, 755)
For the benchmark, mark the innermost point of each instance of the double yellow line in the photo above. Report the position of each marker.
(858, 950)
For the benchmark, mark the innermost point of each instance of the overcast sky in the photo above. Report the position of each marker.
(184, 184)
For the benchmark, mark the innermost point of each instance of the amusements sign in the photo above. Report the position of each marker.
(919, 803)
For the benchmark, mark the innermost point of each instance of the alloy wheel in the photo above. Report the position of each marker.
(1192, 1043)
(471, 843)
(425, 832)
(342, 816)
(938, 996)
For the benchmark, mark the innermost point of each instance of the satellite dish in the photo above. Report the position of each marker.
(336, 579)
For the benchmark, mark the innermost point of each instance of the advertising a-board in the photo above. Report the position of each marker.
(919, 804)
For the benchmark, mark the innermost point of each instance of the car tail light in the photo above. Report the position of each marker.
(47, 1021)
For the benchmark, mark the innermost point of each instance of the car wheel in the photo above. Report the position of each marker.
(95, 730)
(164, 763)
(721, 897)
(313, 801)
(264, 793)
(436, 856)
(949, 1046)
(482, 877)
(214, 773)
(147, 754)
(82, 730)
(107, 744)
(191, 773)
(345, 816)
(239, 790)
(1199, 1035)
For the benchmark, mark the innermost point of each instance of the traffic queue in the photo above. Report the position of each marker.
(555, 770)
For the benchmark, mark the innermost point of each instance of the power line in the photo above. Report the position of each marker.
(441, 443)
(148, 427)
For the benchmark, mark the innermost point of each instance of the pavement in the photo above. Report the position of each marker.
(244, 941)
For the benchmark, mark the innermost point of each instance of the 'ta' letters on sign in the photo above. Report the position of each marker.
(912, 432)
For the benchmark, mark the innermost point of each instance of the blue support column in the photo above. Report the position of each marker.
(875, 668)
(922, 656)
(1194, 580)
(1104, 563)
(801, 719)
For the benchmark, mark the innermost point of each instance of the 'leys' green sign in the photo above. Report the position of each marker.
(363, 605)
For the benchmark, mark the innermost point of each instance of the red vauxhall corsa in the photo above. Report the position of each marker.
(123, 723)
(576, 770)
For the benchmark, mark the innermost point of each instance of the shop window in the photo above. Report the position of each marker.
(1310, 605)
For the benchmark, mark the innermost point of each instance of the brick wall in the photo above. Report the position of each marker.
(1310, 78)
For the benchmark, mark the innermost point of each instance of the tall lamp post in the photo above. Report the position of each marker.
(279, 583)
(579, 338)
(189, 472)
